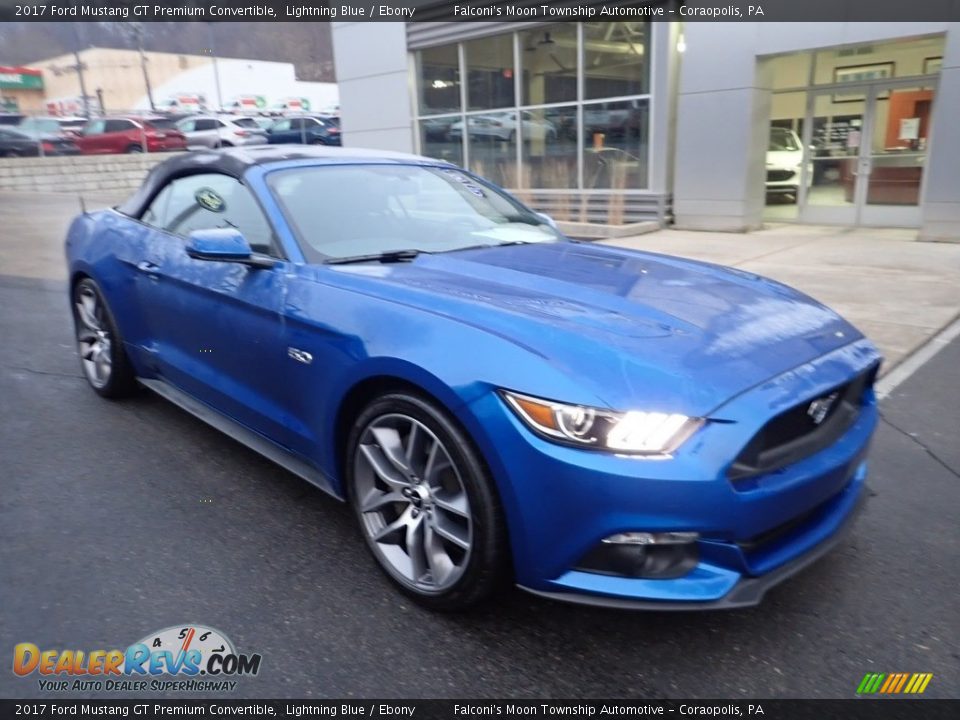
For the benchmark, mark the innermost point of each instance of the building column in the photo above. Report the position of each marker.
(941, 192)
(723, 117)
(370, 59)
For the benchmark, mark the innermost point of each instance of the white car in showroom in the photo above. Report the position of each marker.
(503, 126)
(785, 163)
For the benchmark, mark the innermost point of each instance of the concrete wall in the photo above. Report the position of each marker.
(723, 109)
(77, 174)
(941, 191)
(374, 78)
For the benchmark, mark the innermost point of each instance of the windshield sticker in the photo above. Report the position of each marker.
(466, 182)
(209, 200)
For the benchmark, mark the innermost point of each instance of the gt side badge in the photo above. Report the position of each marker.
(300, 355)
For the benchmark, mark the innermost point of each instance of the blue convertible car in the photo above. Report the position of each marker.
(495, 401)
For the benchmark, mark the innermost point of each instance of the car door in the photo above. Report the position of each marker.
(91, 137)
(216, 328)
(207, 132)
(188, 127)
(121, 136)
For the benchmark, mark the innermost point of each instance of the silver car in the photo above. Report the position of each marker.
(209, 131)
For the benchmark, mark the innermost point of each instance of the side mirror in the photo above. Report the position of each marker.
(224, 245)
(548, 220)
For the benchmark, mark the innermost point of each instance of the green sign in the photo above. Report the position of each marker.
(15, 78)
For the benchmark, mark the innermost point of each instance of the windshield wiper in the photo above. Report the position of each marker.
(392, 256)
(482, 246)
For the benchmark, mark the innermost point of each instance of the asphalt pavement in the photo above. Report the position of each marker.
(121, 518)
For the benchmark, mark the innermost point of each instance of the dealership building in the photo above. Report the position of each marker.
(709, 125)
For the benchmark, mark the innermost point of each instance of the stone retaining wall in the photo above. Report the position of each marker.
(77, 173)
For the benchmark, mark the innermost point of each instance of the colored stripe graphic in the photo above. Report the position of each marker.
(894, 683)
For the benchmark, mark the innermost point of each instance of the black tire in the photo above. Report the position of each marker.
(133, 149)
(13, 153)
(488, 564)
(121, 381)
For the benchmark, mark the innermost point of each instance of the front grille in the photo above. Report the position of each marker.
(795, 434)
(779, 175)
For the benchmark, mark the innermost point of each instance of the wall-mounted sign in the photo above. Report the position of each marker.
(20, 78)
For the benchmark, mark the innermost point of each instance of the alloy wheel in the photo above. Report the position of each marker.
(412, 503)
(93, 336)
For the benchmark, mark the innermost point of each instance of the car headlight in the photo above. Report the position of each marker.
(636, 433)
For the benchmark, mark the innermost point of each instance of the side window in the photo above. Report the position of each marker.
(186, 125)
(206, 124)
(118, 126)
(156, 214)
(297, 124)
(94, 127)
(281, 125)
(233, 206)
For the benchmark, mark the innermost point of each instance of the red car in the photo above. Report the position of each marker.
(130, 134)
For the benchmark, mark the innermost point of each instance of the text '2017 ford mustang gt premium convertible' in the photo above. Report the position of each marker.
(494, 400)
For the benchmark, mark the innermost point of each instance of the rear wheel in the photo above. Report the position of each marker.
(102, 357)
(425, 503)
(134, 149)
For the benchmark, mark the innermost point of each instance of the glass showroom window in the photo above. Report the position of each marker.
(490, 65)
(562, 106)
(615, 60)
(549, 65)
(438, 72)
(615, 145)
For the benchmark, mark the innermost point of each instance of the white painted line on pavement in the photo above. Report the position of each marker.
(889, 382)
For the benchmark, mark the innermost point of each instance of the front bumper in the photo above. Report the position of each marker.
(561, 502)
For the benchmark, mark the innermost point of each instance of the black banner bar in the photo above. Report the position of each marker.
(478, 10)
(856, 709)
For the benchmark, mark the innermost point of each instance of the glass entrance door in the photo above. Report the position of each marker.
(833, 134)
(894, 154)
(864, 153)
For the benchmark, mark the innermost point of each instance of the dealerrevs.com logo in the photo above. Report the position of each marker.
(187, 657)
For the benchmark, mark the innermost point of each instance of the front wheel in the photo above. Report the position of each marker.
(425, 503)
(134, 149)
(102, 357)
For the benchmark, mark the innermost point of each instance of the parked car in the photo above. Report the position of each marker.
(130, 134)
(11, 118)
(503, 126)
(221, 131)
(50, 125)
(785, 163)
(496, 402)
(307, 129)
(14, 142)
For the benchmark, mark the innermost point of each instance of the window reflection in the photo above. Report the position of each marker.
(615, 144)
(549, 150)
(439, 80)
(614, 59)
(490, 81)
(437, 140)
(492, 139)
(549, 65)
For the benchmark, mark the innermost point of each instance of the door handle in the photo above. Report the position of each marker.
(149, 268)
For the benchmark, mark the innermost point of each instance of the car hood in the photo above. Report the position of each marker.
(639, 330)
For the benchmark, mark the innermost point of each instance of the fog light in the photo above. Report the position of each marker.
(647, 538)
(660, 555)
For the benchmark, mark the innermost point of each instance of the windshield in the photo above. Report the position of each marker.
(783, 139)
(349, 210)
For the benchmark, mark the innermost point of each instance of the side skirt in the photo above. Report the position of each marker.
(242, 434)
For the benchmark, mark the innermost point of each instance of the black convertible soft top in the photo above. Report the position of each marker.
(236, 161)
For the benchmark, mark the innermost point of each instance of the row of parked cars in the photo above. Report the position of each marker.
(34, 136)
